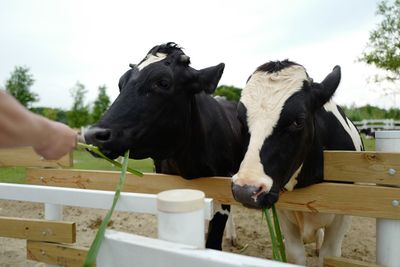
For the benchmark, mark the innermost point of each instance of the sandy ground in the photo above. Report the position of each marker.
(252, 232)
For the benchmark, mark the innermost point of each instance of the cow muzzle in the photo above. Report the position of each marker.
(253, 195)
(104, 139)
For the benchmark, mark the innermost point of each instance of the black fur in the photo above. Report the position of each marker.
(275, 66)
(165, 112)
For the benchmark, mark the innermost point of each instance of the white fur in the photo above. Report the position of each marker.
(150, 58)
(327, 230)
(264, 97)
(230, 230)
(347, 125)
(218, 208)
(289, 186)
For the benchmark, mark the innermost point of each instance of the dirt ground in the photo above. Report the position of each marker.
(252, 232)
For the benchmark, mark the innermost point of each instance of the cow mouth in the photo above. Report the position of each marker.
(254, 197)
(108, 153)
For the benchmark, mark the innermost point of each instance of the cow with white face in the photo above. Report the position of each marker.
(289, 120)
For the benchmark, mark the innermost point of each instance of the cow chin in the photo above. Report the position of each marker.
(249, 198)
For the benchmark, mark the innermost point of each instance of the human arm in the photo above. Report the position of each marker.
(20, 127)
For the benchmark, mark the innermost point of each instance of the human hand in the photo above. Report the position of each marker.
(57, 140)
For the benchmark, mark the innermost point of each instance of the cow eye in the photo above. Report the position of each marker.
(163, 84)
(297, 124)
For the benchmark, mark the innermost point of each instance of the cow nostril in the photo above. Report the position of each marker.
(103, 135)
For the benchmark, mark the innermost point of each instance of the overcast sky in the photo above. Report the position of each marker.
(93, 42)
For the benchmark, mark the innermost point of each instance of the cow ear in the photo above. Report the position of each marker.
(209, 77)
(324, 91)
(124, 79)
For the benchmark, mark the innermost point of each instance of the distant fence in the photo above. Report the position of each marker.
(371, 126)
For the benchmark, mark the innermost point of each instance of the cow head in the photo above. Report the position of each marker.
(277, 111)
(151, 115)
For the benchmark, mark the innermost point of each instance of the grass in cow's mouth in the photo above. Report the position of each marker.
(94, 248)
(97, 151)
(278, 247)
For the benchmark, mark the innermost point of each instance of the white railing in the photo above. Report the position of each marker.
(178, 224)
(56, 197)
(374, 125)
(133, 250)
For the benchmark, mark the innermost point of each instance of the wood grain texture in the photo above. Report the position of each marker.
(27, 157)
(34, 229)
(53, 253)
(352, 199)
(362, 167)
(217, 188)
(342, 262)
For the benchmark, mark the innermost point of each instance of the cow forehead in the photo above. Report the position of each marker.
(264, 97)
(266, 93)
(150, 59)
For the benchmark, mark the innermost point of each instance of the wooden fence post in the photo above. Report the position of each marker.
(388, 231)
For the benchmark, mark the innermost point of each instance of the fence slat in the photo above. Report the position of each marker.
(53, 253)
(33, 229)
(342, 262)
(98, 199)
(26, 157)
(217, 188)
(124, 250)
(359, 200)
(381, 168)
(351, 199)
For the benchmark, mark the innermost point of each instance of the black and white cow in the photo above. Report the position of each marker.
(289, 120)
(165, 111)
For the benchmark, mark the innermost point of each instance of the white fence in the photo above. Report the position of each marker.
(374, 125)
(122, 249)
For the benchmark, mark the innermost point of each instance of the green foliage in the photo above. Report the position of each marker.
(369, 112)
(100, 104)
(85, 161)
(383, 48)
(79, 114)
(55, 114)
(19, 85)
(229, 92)
(369, 143)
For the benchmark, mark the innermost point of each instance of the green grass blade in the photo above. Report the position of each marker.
(275, 250)
(97, 151)
(94, 248)
(278, 232)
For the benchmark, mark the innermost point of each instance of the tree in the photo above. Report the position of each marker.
(383, 48)
(19, 85)
(54, 114)
(100, 104)
(79, 114)
(231, 93)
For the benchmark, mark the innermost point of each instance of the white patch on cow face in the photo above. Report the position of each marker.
(264, 97)
(289, 186)
(150, 59)
(347, 125)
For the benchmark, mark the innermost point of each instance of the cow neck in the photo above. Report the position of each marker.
(198, 157)
(312, 169)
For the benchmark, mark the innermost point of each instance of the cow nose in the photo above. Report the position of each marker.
(253, 194)
(103, 135)
(97, 135)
